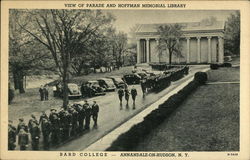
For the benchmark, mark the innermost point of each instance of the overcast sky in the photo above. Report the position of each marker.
(125, 19)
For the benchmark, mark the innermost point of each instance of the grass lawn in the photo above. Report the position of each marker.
(207, 121)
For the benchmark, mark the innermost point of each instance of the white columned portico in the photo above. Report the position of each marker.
(188, 49)
(138, 51)
(221, 49)
(147, 50)
(198, 49)
(209, 50)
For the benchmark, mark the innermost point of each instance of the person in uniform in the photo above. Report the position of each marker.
(21, 124)
(35, 135)
(55, 127)
(64, 125)
(43, 116)
(74, 123)
(46, 130)
(133, 94)
(87, 114)
(41, 91)
(46, 93)
(33, 119)
(127, 95)
(81, 116)
(143, 87)
(11, 136)
(95, 111)
(54, 88)
(23, 139)
(120, 95)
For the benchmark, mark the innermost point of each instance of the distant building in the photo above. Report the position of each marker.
(201, 43)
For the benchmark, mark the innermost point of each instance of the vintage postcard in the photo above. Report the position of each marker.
(125, 80)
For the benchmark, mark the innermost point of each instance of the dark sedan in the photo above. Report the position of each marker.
(118, 81)
(107, 84)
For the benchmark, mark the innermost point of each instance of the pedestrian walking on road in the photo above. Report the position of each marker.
(23, 139)
(133, 94)
(143, 87)
(127, 95)
(95, 111)
(11, 136)
(41, 91)
(120, 94)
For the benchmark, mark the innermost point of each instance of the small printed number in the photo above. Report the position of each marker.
(232, 154)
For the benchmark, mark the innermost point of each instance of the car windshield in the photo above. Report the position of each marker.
(118, 79)
(73, 86)
(94, 83)
(109, 82)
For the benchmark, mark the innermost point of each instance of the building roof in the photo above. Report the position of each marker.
(187, 27)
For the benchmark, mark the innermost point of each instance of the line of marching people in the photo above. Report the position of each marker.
(126, 93)
(58, 127)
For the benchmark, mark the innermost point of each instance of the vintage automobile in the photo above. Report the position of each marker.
(92, 88)
(143, 74)
(107, 84)
(74, 90)
(133, 78)
(118, 81)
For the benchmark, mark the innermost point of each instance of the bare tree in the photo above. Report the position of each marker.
(26, 56)
(169, 39)
(63, 32)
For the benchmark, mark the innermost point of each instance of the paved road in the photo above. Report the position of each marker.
(112, 115)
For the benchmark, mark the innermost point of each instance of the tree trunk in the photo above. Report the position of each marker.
(15, 79)
(170, 57)
(65, 92)
(20, 77)
(65, 78)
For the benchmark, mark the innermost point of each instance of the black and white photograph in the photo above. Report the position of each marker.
(144, 82)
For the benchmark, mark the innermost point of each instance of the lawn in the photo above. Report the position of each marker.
(207, 121)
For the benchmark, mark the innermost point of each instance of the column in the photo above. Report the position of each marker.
(209, 50)
(158, 52)
(178, 56)
(221, 49)
(188, 48)
(147, 50)
(138, 51)
(198, 49)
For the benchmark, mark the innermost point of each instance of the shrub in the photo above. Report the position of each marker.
(214, 66)
(200, 77)
(11, 95)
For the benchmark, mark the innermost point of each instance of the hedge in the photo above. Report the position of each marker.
(160, 82)
(200, 77)
(130, 139)
(216, 66)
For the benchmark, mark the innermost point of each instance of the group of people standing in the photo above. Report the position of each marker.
(44, 93)
(55, 128)
(126, 93)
